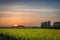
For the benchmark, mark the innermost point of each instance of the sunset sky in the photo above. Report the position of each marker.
(29, 12)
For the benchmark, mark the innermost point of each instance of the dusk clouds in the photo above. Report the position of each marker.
(32, 11)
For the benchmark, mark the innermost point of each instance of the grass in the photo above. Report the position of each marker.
(29, 34)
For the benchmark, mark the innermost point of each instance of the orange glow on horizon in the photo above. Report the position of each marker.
(15, 25)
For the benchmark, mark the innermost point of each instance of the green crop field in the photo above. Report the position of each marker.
(29, 34)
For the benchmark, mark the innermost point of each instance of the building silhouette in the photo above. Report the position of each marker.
(56, 25)
(45, 24)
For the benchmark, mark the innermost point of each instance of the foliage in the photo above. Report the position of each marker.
(29, 34)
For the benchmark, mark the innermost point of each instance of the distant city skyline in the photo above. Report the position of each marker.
(29, 12)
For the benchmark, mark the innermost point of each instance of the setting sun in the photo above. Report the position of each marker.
(15, 25)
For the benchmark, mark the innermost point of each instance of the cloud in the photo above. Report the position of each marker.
(25, 8)
(28, 11)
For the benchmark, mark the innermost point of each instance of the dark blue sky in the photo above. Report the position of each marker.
(36, 3)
